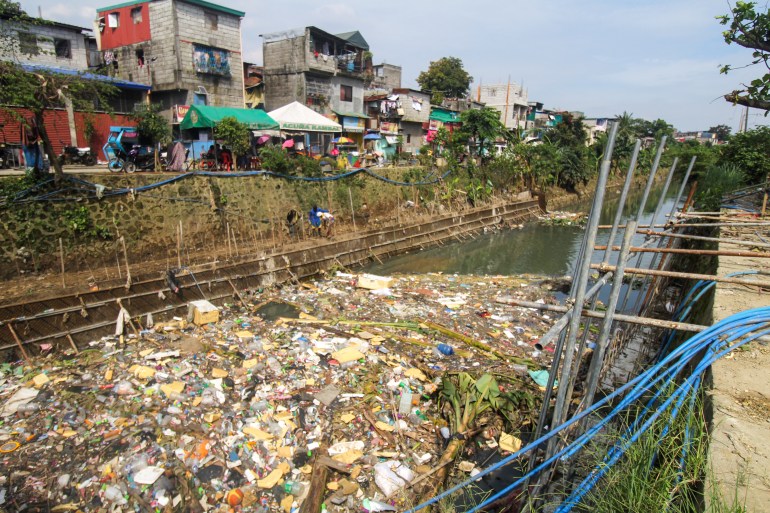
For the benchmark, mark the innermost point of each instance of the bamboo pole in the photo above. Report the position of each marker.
(72, 343)
(704, 252)
(179, 246)
(687, 276)
(633, 319)
(707, 239)
(698, 225)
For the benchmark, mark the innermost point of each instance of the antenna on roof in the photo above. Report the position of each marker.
(39, 12)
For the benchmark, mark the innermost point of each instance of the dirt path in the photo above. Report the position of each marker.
(740, 454)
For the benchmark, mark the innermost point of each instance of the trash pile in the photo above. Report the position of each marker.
(557, 218)
(342, 394)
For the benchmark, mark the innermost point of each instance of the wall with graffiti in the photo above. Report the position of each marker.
(212, 61)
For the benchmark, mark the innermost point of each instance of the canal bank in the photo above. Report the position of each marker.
(739, 454)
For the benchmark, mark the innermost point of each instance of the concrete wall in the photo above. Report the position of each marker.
(386, 76)
(284, 65)
(45, 42)
(412, 135)
(149, 220)
(357, 105)
(509, 99)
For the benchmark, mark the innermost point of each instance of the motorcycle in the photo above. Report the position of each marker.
(135, 160)
(75, 155)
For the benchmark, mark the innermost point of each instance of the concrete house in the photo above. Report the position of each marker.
(510, 99)
(386, 76)
(189, 51)
(325, 72)
(49, 44)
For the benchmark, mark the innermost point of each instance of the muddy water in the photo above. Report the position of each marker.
(534, 249)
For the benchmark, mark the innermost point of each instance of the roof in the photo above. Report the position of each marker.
(296, 116)
(351, 114)
(355, 38)
(123, 84)
(444, 115)
(201, 3)
(205, 116)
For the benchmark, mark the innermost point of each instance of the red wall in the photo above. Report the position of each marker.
(58, 128)
(128, 32)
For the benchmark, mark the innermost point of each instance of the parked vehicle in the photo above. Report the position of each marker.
(141, 159)
(74, 155)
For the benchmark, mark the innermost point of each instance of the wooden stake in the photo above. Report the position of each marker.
(179, 245)
(352, 212)
(72, 343)
(61, 257)
(229, 247)
(128, 269)
(18, 342)
(117, 262)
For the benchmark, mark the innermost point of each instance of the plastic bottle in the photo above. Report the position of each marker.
(445, 349)
(294, 488)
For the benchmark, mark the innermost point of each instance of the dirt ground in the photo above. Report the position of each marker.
(740, 454)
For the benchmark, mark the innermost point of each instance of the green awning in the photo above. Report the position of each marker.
(204, 116)
(445, 116)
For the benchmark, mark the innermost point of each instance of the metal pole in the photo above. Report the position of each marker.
(563, 390)
(623, 195)
(640, 213)
(604, 335)
(681, 188)
(679, 251)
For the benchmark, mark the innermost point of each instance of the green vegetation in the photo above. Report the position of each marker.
(445, 78)
(651, 476)
(235, 135)
(749, 27)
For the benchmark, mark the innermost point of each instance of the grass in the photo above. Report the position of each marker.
(650, 477)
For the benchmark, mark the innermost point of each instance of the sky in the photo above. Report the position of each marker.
(651, 58)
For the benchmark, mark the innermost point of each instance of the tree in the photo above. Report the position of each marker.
(749, 28)
(570, 137)
(481, 128)
(42, 91)
(234, 134)
(722, 131)
(445, 78)
(748, 152)
(152, 127)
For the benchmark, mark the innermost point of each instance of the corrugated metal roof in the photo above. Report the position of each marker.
(124, 84)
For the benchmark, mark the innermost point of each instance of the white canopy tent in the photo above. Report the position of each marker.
(297, 117)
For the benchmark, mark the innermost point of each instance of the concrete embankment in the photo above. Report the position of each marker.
(84, 315)
(740, 395)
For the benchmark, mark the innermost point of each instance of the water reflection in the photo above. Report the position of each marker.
(535, 249)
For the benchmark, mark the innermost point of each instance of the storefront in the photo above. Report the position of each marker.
(353, 126)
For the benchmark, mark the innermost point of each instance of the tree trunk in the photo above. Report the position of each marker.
(48, 148)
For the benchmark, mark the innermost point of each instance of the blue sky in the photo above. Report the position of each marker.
(653, 58)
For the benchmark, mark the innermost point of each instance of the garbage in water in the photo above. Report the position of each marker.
(316, 392)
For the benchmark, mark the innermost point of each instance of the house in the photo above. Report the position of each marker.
(386, 76)
(596, 126)
(325, 72)
(52, 47)
(46, 43)
(700, 137)
(189, 51)
(510, 99)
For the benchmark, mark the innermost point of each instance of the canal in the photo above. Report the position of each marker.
(537, 248)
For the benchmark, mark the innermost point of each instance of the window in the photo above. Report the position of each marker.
(380, 72)
(63, 48)
(140, 57)
(113, 20)
(28, 43)
(346, 93)
(212, 20)
(408, 138)
(493, 92)
(136, 15)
